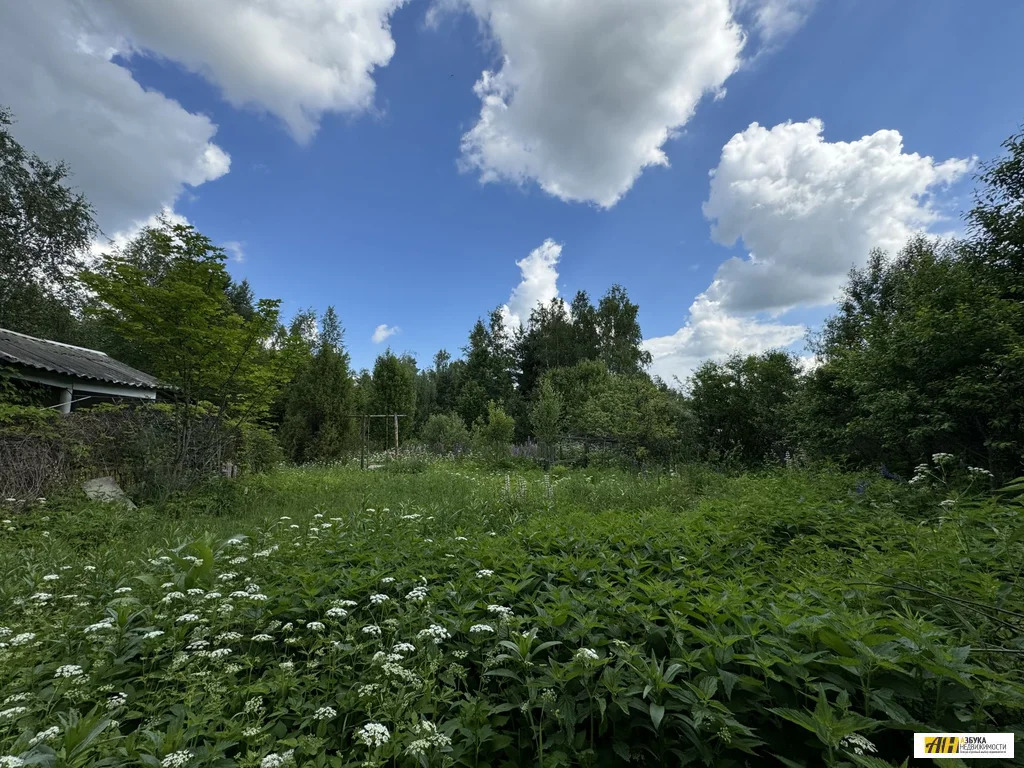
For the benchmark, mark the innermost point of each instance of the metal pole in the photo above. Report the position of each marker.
(362, 442)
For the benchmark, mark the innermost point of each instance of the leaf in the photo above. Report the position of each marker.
(657, 713)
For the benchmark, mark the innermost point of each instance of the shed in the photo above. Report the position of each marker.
(76, 374)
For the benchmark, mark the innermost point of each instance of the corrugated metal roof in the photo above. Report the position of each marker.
(20, 349)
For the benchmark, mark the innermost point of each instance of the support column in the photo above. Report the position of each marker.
(66, 395)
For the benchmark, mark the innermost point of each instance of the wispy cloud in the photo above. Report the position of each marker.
(383, 332)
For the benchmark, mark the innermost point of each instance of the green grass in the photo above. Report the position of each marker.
(656, 620)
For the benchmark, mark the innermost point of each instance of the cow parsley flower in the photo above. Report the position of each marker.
(122, 590)
(13, 712)
(68, 670)
(262, 638)
(388, 580)
(479, 628)
(176, 759)
(373, 734)
(434, 632)
(483, 573)
(172, 596)
(371, 629)
(403, 648)
(417, 595)
(337, 613)
(274, 760)
(228, 576)
(430, 738)
(10, 761)
(152, 634)
(378, 599)
(117, 700)
(325, 713)
(586, 655)
(187, 618)
(345, 603)
(51, 577)
(500, 610)
(42, 597)
(46, 735)
(99, 626)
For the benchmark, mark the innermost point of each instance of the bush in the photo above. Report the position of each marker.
(445, 432)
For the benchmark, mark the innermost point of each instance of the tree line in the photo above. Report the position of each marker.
(923, 355)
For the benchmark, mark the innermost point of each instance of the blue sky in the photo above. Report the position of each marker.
(371, 201)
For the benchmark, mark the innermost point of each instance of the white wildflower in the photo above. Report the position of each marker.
(373, 734)
(371, 629)
(187, 618)
(262, 638)
(483, 573)
(46, 735)
(316, 626)
(585, 655)
(51, 577)
(378, 599)
(68, 670)
(122, 590)
(434, 632)
(337, 613)
(177, 759)
(325, 713)
(479, 628)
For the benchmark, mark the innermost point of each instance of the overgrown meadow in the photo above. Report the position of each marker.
(451, 616)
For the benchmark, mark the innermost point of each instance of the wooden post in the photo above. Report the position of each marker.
(396, 435)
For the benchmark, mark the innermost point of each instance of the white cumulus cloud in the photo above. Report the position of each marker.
(131, 151)
(588, 91)
(807, 211)
(713, 334)
(296, 59)
(538, 286)
(383, 332)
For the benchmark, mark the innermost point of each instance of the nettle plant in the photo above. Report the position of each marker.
(451, 633)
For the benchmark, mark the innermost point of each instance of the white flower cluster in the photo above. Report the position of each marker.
(13, 712)
(172, 596)
(344, 603)
(479, 628)
(51, 577)
(403, 648)
(117, 700)
(337, 613)
(10, 761)
(391, 669)
(374, 735)
(585, 655)
(151, 635)
(434, 632)
(50, 733)
(857, 743)
(371, 629)
(378, 599)
(99, 626)
(979, 471)
(417, 594)
(177, 759)
(483, 573)
(187, 618)
(500, 610)
(429, 738)
(316, 626)
(262, 638)
(388, 580)
(942, 458)
(68, 670)
(275, 760)
(122, 590)
(325, 713)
